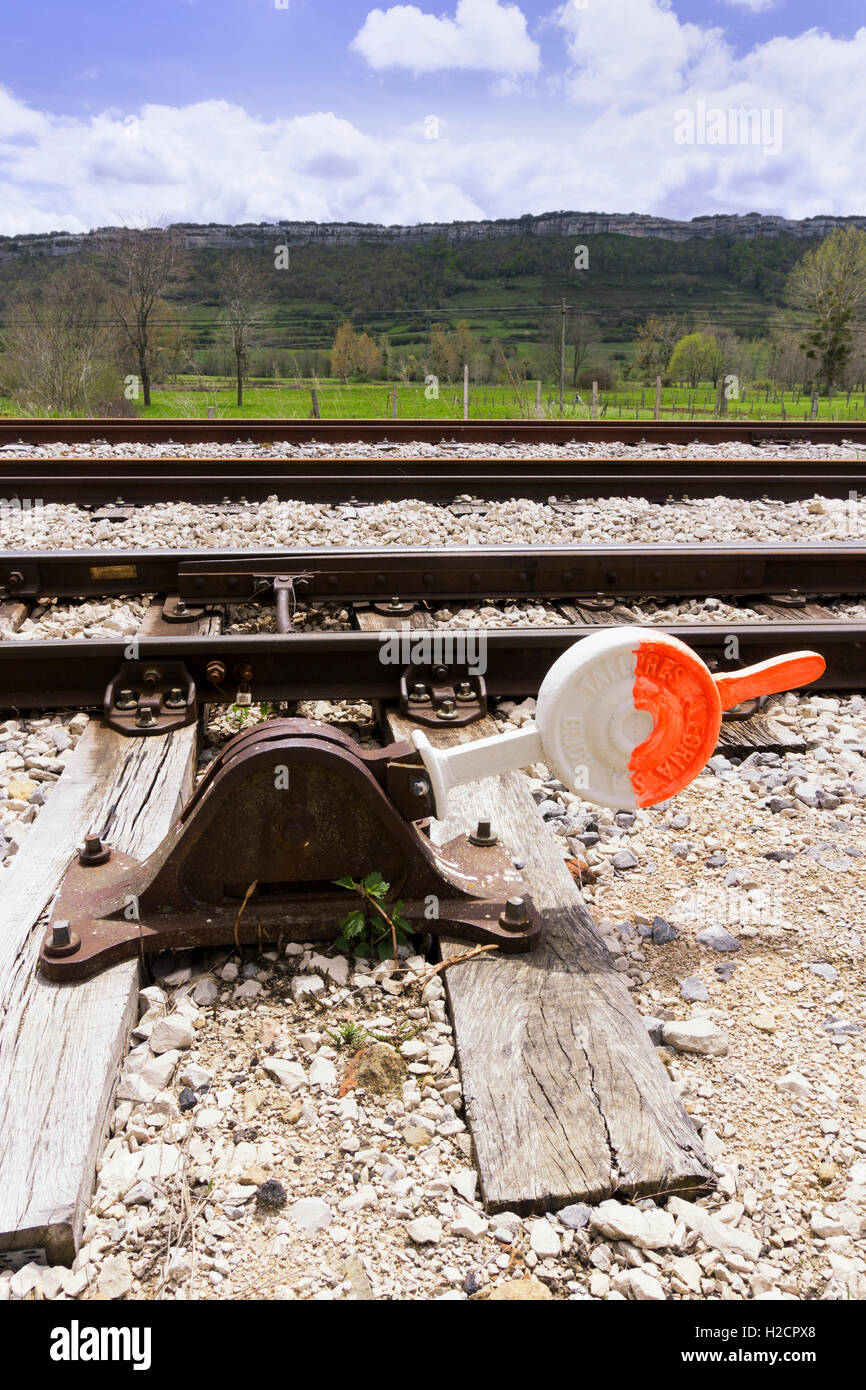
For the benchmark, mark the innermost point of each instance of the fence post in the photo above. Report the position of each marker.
(658, 397)
(394, 402)
(315, 395)
(595, 400)
(465, 390)
(539, 409)
(814, 413)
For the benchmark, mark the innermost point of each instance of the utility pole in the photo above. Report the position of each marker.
(562, 363)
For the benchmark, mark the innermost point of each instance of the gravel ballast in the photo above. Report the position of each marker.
(250, 1098)
(269, 524)
(283, 449)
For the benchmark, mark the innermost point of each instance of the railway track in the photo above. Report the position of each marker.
(158, 681)
(582, 588)
(379, 574)
(97, 482)
(507, 431)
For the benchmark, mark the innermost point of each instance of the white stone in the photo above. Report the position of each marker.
(311, 1213)
(170, 1033)
(699, 1035)
(205, 991)
(195, 1076)
(322, 1072)
(640, 1285)
(465, 1182)
(248, 990)
(207, 1118)
(289, 1074)
(795, 1084)
(145, 1083)
(544, 1239)
(115, 1278)
(824, 1226)
(649, 1230)
(119, 1172)
(335, 968)
(686, 1268)
(25, 1279)
(469, 1223)
(714, 1233)
(307, 984)
(424, 1230)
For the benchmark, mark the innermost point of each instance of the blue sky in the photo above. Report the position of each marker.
(229, 110)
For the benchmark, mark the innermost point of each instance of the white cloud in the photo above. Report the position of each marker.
(756, 6)
(485, 35)
(609, 150)
(651, 56)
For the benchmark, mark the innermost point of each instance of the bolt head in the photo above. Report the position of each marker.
(515, 915)
(447, 710)
(483, 835)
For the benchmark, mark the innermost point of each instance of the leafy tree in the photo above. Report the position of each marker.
(443, 356)
(655, 342)
(694, 358)
(464, 343)
(366, 356)
(829, 283)
(342, 352)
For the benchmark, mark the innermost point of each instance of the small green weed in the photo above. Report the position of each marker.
(370, 930)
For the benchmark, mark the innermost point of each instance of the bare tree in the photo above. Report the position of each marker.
(141, 266)
(581, 335)
(58, 343)
(243, 288)
(830, 284)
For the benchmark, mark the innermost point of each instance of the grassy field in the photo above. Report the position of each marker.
(375, 400)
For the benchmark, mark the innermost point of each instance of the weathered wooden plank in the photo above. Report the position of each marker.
(566, 1098)
(760, 730)
(792, 612)
(61, 1045)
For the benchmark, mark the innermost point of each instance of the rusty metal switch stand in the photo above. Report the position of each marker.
(284, 810)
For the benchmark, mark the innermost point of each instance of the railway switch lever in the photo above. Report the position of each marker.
(626, 717)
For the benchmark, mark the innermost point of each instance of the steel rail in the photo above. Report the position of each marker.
(374, 431)
(97, 482)
(361, 574)
(359, 665)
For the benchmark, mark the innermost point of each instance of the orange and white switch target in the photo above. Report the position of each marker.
(626, 717)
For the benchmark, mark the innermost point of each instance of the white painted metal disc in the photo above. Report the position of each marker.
(587, 717)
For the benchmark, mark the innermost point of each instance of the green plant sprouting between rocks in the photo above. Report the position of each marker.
(372, 930)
